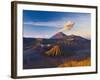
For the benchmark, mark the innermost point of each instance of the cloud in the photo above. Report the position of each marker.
(67, 26)
(57, 24)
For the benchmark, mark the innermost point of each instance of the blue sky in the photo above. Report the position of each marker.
(44, 24)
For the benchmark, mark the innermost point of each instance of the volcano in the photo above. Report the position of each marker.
(59, 35)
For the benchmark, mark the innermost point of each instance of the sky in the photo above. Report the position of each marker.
(45, 24)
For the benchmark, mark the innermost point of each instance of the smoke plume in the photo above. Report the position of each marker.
(67, 26)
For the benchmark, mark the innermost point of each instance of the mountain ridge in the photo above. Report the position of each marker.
(61, 35)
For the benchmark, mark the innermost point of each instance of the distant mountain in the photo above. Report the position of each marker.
(59, 35)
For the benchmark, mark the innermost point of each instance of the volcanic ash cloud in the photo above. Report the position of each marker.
(67, 26)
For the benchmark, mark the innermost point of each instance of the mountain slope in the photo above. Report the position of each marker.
(59, 35)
